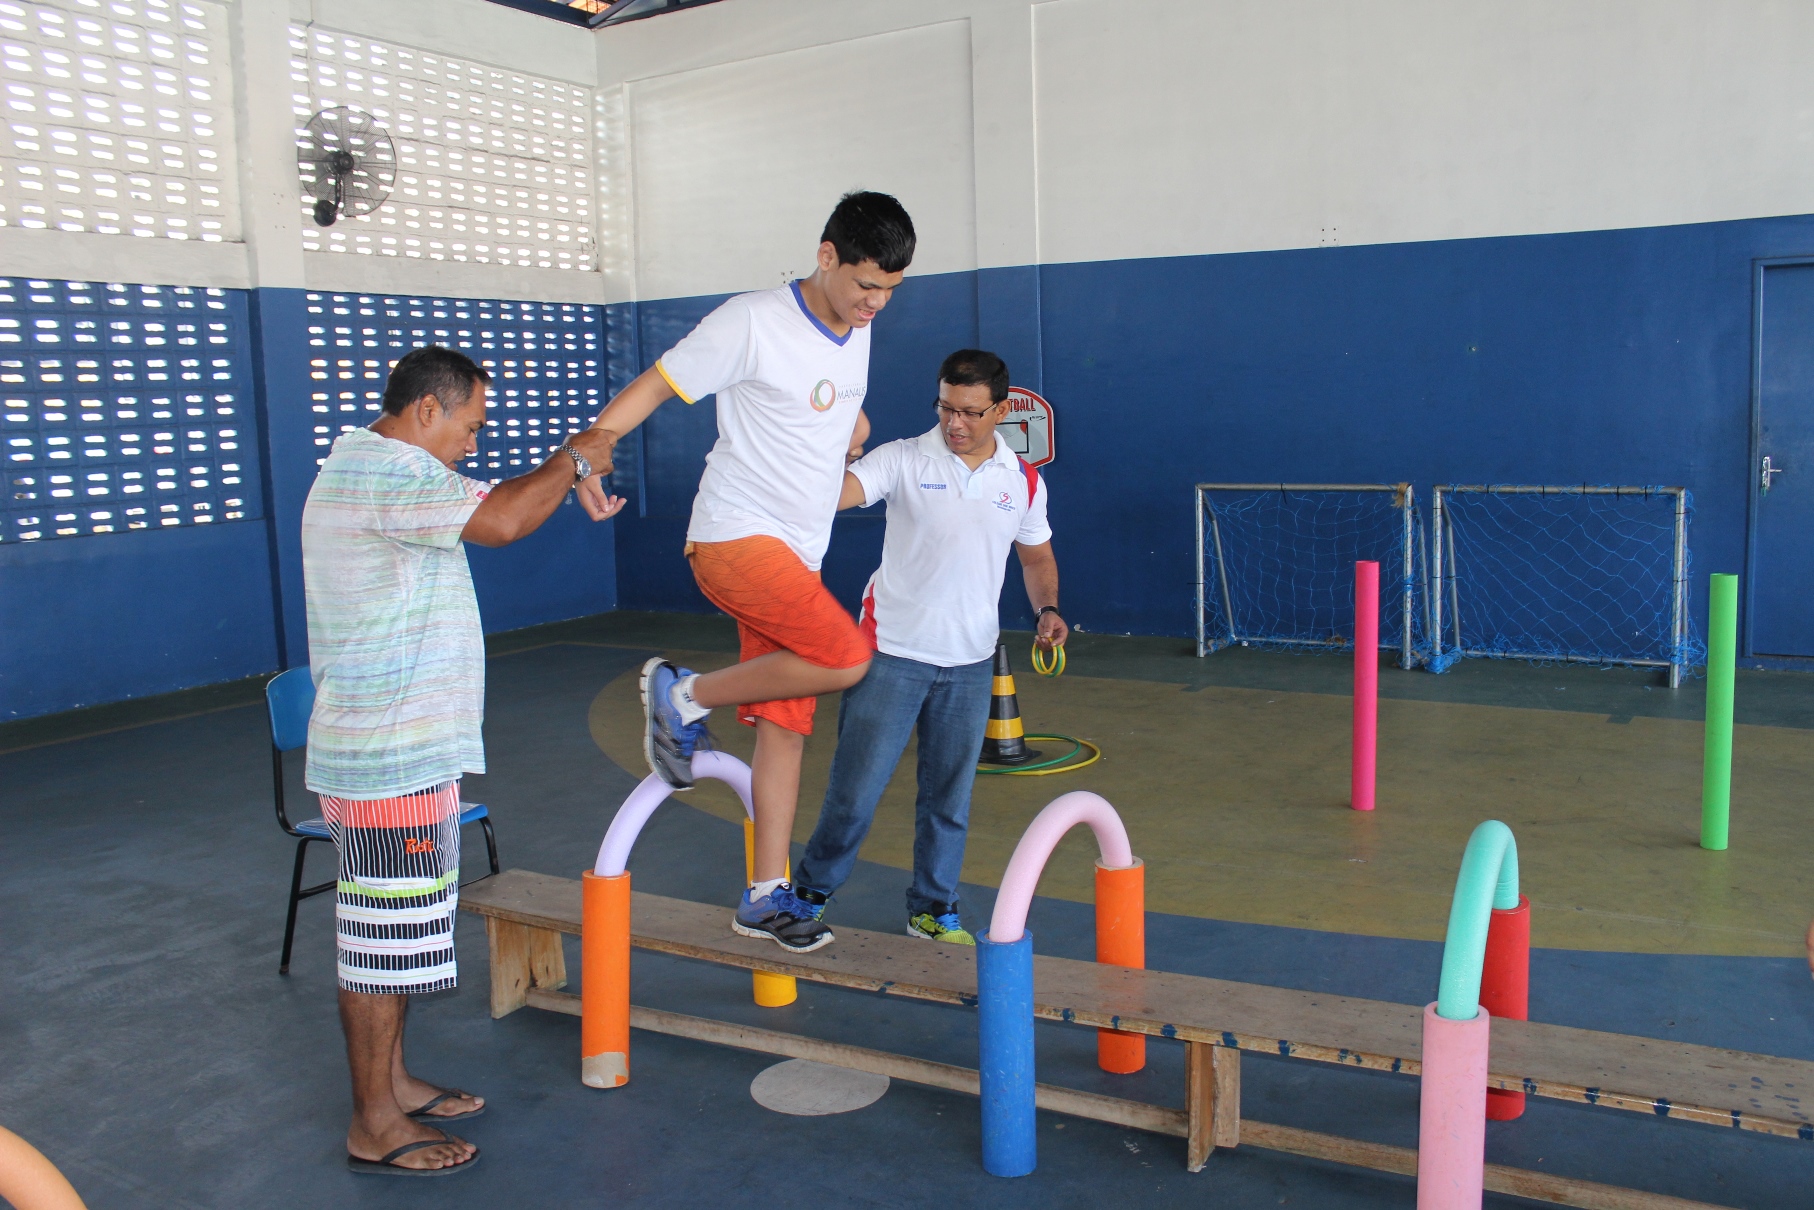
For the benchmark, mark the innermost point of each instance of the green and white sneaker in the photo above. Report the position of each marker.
(944, 927)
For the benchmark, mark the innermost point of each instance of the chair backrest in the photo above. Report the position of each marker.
(290, 696)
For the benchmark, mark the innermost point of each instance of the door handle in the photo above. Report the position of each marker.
(1765, 474)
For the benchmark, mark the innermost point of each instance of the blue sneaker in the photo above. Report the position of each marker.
(812, 900)
(782, 918)
(667, 743)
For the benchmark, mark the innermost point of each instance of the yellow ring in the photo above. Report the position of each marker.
(1095, 755)
(1052, 665)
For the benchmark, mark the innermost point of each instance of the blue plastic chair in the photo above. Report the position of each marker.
(290, 696)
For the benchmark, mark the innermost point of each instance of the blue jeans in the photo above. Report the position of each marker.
(950, 707)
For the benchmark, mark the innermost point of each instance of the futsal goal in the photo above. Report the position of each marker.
(1572, 574)
(1275, 565)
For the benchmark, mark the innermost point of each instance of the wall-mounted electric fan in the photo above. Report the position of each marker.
(347, 161)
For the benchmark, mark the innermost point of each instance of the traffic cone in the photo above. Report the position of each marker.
(1004, 739)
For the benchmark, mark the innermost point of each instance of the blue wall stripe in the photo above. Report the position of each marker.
(97, 618)
(1600, 357)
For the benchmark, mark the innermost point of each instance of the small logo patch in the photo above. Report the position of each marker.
(1005, 502)
(412, 844)
(824, 394)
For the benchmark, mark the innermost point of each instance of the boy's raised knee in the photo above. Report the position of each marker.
(846, 677)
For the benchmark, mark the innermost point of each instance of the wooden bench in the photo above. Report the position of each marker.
(525, 913)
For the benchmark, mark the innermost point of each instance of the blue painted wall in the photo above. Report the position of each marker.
(101, 618)
(1601, 357)
(1613, 356)
(110, 616)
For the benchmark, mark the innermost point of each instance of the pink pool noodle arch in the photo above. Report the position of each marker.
(626, 825)
(1036, 844)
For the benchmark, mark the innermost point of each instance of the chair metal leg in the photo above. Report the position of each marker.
(491, 842)
(289, 924)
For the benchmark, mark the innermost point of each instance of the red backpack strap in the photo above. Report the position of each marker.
(1032, 479)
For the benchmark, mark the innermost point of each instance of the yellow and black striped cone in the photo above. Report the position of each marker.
(1004, 740)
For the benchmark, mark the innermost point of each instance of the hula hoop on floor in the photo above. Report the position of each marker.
(1046, 768)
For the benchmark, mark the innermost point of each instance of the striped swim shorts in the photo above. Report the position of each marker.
(399, 886)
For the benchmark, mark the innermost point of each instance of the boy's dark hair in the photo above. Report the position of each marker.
(432, 370)
(871, 226)
(975, 367)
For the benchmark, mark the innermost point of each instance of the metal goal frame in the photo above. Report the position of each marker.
(1404, 500)
(1444, 580)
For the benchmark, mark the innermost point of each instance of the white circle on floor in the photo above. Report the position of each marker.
(809, 1089)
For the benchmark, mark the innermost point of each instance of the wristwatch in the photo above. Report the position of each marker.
(582, 469)
(1042, 611)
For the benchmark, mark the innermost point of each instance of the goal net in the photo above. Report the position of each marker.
(1275, 565)
(1581, 574)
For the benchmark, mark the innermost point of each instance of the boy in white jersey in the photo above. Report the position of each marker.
(790, 368)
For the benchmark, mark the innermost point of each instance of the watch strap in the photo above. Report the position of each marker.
(582, 469)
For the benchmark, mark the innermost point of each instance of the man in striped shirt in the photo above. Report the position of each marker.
(398, 660)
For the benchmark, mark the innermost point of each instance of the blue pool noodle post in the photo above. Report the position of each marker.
(1004, 1004)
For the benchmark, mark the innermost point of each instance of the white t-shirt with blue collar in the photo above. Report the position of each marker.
(788, 395)
(934, 598)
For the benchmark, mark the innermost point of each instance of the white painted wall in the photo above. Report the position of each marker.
(1169, 127)
(1104, 129)
(742, 161)
(264, 245)
(1019, 131)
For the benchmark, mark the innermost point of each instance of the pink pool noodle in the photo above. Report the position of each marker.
(1366, 683)
(1451, 1124)
(1036, 845)
(626, 825)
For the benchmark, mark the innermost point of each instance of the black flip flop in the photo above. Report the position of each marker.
(423, 1114)
(386, 1166)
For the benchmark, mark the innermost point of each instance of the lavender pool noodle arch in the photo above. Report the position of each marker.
(627, 824)
(1004, 960)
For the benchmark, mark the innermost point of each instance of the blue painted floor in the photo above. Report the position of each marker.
(155, 1054)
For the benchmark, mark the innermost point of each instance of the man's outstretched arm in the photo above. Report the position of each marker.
(517, 507)
(633, 405)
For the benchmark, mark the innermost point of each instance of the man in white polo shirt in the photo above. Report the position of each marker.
(958, 499)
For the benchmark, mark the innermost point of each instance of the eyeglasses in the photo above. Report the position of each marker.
(960, 413)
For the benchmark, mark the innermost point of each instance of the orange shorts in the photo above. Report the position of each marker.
(779, 606)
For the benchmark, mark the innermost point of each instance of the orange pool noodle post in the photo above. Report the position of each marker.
(1505, 988)
(1121, 941)
(604, 1029)
(770, 991)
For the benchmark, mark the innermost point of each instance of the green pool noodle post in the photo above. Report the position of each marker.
(1488, 880)
(1722, 659)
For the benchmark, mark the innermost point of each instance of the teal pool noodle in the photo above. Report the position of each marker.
(1488, 880)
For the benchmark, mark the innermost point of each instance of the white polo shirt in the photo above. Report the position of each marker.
(935, 596)
(788, 396)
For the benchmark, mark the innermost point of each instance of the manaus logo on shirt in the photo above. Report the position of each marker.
(824, 394)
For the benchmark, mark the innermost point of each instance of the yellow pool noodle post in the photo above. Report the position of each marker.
(771, 991)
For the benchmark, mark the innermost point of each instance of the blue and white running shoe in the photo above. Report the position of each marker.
(667, 743)
(783, 919)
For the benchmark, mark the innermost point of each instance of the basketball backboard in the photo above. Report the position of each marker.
(1028, 429)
